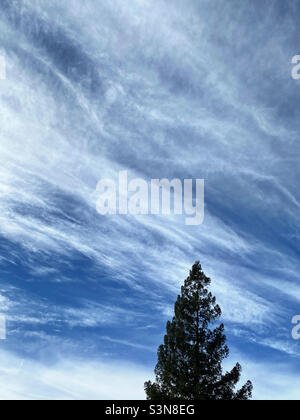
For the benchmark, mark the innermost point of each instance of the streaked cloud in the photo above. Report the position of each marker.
(186, 90)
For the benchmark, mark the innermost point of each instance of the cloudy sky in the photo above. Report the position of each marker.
(162, 89)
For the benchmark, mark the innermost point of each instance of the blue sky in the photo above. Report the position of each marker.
(181, 89)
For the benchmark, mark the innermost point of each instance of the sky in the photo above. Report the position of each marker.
(188, 89)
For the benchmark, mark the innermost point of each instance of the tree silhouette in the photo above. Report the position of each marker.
(190, 360)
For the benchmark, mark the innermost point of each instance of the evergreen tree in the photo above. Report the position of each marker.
(189, 361)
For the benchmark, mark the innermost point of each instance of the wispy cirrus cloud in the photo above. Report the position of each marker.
(159, 90)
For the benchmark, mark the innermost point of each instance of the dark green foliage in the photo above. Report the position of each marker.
(189, 361)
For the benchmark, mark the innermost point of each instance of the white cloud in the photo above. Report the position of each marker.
(161, 109)
(270, 381)
(76, 379)
(70, 380)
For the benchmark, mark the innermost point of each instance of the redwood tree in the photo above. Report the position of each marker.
(190, 360)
